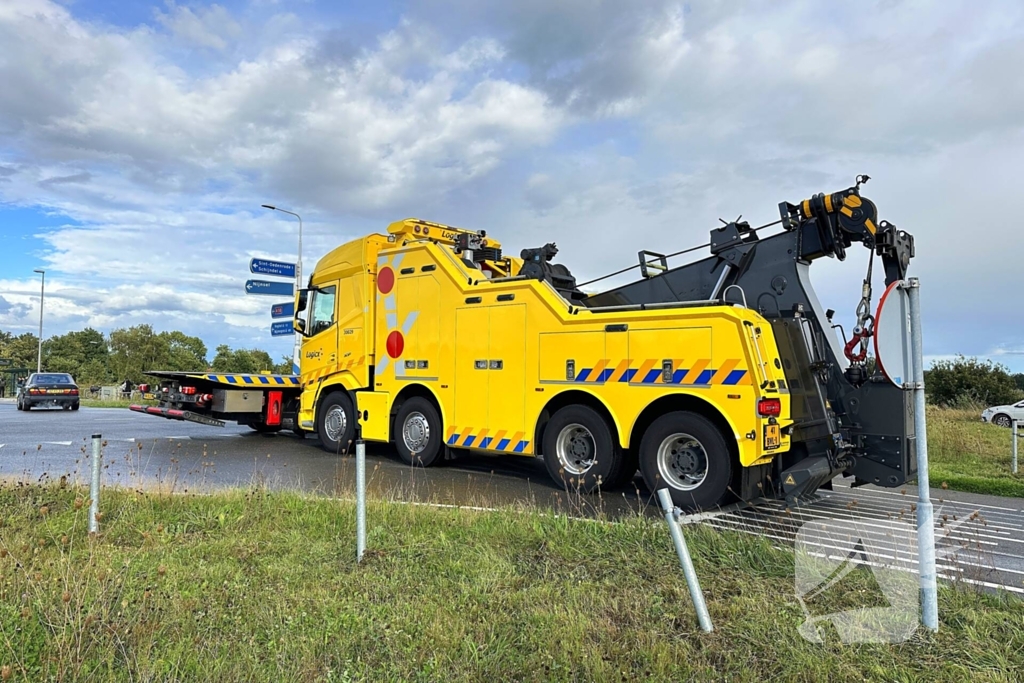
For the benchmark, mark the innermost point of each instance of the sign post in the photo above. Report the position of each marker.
(266, 287)
(281, 329)
(277, 268)
(285, 310)
(899, 351)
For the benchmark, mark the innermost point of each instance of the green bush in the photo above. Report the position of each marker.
(964, 381)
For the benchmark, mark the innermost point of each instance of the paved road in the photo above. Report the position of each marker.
(980, 538)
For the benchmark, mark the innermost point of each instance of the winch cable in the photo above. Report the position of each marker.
(865, 327)
(668, 256)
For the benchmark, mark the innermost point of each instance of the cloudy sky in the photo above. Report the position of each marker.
(138, 140)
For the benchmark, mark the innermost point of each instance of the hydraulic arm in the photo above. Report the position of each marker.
(846, 418)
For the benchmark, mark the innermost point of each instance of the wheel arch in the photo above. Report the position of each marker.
(685, 402)
(412, 390)
(567, 398)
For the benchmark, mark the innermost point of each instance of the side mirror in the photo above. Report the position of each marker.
(299, 325)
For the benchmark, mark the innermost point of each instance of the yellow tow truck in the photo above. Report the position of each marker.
(716, 379)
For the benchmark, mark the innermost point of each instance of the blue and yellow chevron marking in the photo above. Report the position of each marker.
(649, 372)
(480, 438)
(255, 380)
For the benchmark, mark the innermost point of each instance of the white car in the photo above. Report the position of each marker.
(1002, 416)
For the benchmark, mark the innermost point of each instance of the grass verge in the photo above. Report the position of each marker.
(263, 586)
(966, 454)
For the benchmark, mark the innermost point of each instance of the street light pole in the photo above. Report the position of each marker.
(298, 278)
(42, 296)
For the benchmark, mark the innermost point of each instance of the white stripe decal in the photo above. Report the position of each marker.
(409, 320)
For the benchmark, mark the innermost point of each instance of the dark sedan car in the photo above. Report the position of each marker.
(45, 389)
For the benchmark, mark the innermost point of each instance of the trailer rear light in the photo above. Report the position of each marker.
(188, 391)
(205, 398)
(144, 388)
(769, 407)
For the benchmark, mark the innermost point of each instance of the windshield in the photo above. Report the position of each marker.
(51, 378)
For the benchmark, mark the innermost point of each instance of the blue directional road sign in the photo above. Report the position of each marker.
(264, 267)
(281, 329)
(285, 310)
(267, 287)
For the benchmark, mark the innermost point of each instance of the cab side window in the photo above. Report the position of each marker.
(322, 310)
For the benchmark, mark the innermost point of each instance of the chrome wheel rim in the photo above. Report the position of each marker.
(335, 423)
(682, 462)
(416, 432)
(575, 449)
(1002, 421)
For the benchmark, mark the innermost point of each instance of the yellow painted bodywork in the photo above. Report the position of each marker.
(495, 353)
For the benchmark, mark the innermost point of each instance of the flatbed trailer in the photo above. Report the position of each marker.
(264, 402)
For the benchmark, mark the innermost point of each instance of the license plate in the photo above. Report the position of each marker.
(55, 391)
(772, 437)
(149, 397)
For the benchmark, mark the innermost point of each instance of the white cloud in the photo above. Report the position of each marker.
(607, 126)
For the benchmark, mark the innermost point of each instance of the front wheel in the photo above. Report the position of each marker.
(685, 453)
(580, 452)
(336, 422)
(1002, 420)
(418, 433)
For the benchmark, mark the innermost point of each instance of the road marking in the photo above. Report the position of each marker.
(58, 443)
(179, 438)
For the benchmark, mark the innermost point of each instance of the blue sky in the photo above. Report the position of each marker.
(138, 140)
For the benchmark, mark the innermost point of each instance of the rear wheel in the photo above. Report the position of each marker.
(74, 406)
(418, 433)
(580, 452)
(336, 422)
(685, 453)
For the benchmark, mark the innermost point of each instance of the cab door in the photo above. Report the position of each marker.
(320, 346)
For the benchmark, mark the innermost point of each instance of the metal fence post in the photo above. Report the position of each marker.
(94, 489)
(696, 594)
(925, 512)
(1014, 426)
(360, 499)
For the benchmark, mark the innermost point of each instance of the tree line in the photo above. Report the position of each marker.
(126, 353)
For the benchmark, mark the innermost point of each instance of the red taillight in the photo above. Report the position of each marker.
(188, 391)
(144, 388)
(73, 392)
(769, 407)
(36, 392)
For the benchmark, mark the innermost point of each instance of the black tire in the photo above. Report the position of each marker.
(17, 404)
(580, 452)
(26, 406)
(336, 423)
(66, 406)
(75, 406)
(1002, 420)
(685, 453)
(418, 435)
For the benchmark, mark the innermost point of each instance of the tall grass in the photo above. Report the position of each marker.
(969, 455)
(252, 585)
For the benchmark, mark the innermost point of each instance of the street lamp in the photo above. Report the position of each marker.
(298, 276)
(42, 295)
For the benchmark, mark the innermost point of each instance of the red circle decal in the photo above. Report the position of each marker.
(386, 280)
(395, 344)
